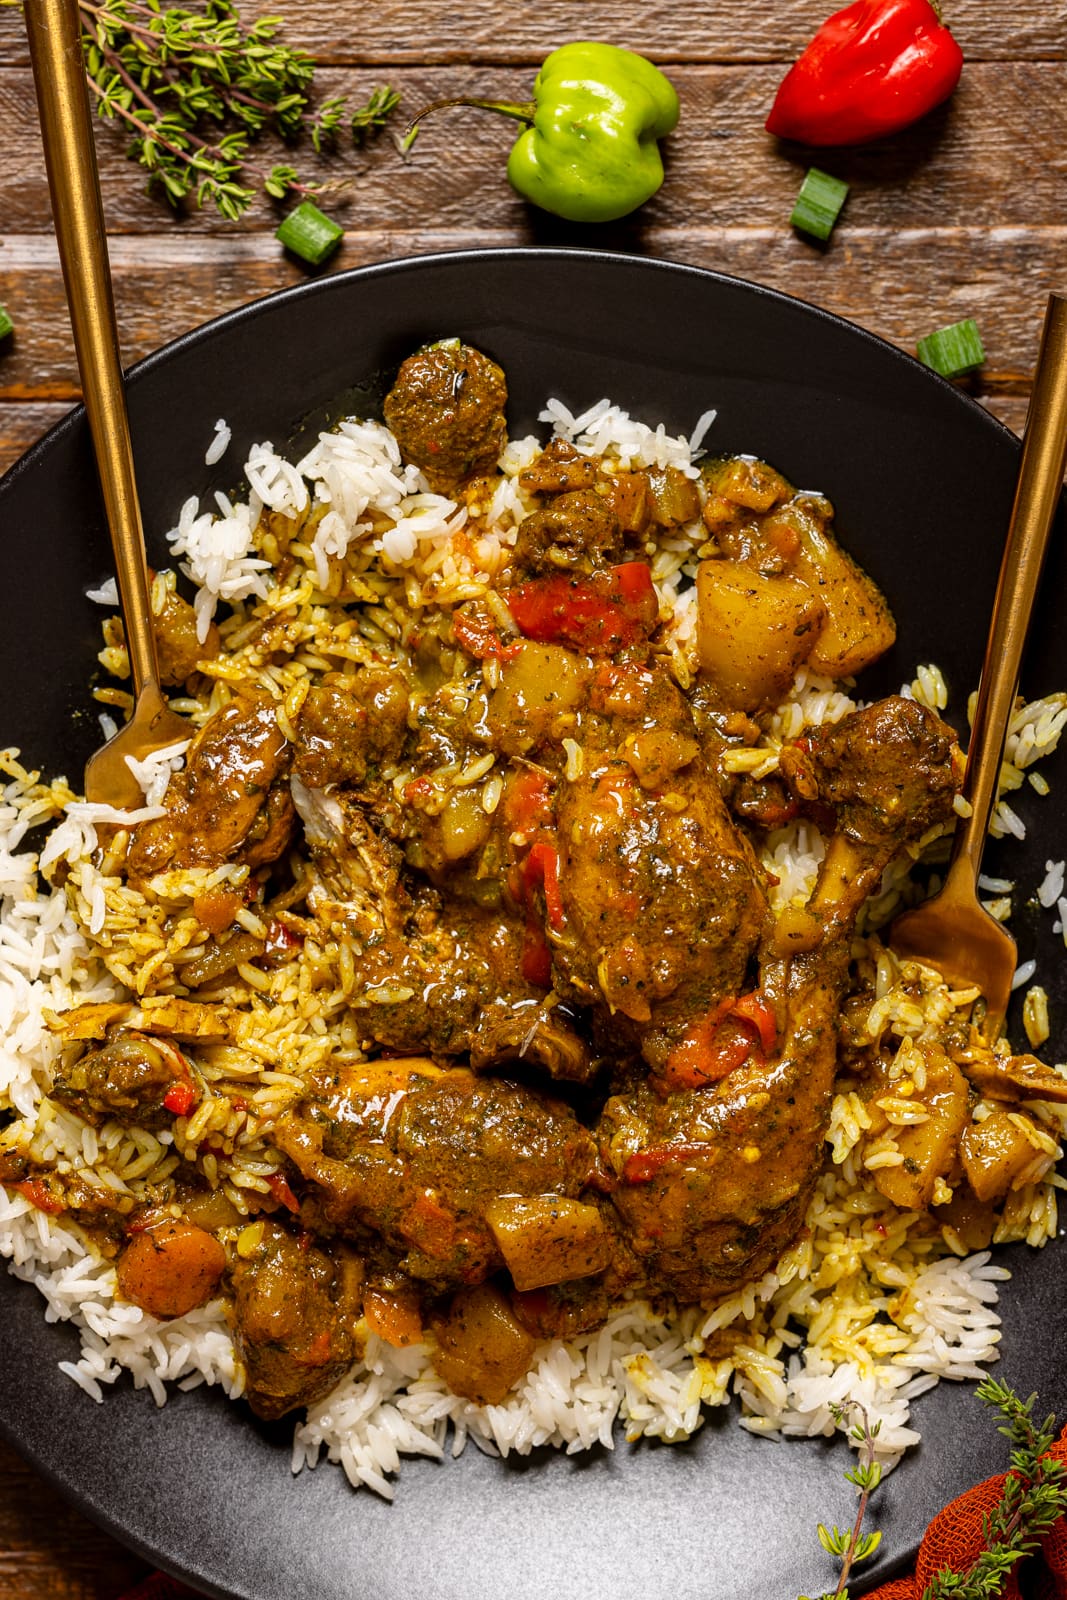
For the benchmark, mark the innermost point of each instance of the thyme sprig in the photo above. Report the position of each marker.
(852, 1545)
(1034, 1497)
(194, 88)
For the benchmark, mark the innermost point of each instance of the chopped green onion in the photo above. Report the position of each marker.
(952, 351)
(309, 234)
(6, 324)
(818, 203)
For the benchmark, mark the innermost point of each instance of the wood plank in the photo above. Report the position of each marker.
(50, 1551)
(22, 425)
(349, 31)
(898, 285)
(959, 167)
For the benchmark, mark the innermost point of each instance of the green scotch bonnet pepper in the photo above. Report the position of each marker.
(589, 151)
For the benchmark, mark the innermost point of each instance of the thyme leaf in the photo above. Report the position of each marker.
(194, 88)
(371, 118)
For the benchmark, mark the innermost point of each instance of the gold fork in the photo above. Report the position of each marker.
(54, 31)
(953, 931)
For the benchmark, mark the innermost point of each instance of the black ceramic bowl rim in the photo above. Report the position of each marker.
(334, 282)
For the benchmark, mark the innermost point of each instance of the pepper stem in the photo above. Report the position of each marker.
(506, 108)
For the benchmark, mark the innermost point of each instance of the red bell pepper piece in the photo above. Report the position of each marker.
(317, 1353)
(633, 583)
(732, 1032)
(39, 1194)
(280, 939)
(871, 69)
(180, 1099)
(476, 634)
(599, 614)
(644, 1165)
(429, 1226)
(536, 957)
(541, 869)
(279, 1188)
(528, 801)
(755, 1009)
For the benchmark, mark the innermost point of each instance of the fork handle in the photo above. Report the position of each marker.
(54, 31)
(1037, 495)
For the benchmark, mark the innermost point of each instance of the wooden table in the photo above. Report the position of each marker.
(964, 215)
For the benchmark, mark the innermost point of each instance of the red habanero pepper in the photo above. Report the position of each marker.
(599, 614)
(871, 69)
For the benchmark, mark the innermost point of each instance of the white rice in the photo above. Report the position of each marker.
(607, 430)
(154, 773)
(219, 444)
(1050, 889)
(106, 595)
(217, 552)
(653, 1378)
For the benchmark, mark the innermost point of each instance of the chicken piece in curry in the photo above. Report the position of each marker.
(584, 1057)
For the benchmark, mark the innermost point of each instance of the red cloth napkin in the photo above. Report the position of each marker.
(954, 1539)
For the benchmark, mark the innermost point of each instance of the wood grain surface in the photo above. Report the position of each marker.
(48, 1551)
(963, 215)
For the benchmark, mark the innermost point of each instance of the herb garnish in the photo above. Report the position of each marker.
(1034, 1497)
(853, 1545)
(371, 118)
(195, 88)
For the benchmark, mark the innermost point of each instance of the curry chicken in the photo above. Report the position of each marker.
(593, 1062)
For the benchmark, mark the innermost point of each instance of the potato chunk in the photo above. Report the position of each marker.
(859, 626)
(537, 683)
(928, 1147)
(481, 1349)
(547, 1238)
(994, 1153)
(754, 631)
(972, 1220)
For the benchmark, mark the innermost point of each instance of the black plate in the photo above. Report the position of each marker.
(922, 479)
